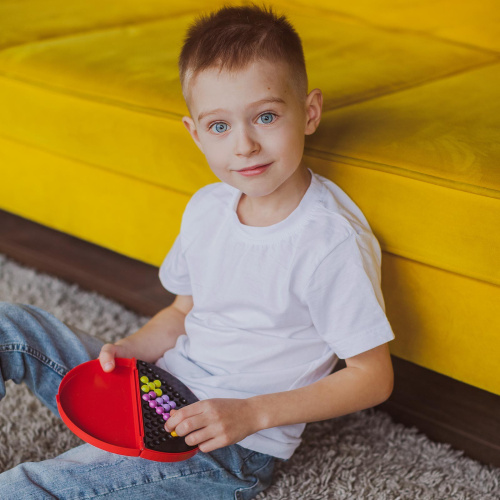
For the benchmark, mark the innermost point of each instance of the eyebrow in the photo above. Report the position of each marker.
(204, 114)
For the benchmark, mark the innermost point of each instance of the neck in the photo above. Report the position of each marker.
(278, 205)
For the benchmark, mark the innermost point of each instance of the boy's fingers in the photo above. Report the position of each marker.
(107, 357)
(187, 426)
(171, 422)
(176, 417)
(186, 418)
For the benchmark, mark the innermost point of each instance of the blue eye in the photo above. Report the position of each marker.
(219, 127)
(267, 118)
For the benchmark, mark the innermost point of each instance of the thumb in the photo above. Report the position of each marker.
(107, 357)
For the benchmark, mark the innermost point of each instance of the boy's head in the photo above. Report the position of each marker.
(233, 37)
(243, 76)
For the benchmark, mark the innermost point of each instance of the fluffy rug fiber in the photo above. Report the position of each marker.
(360, 456)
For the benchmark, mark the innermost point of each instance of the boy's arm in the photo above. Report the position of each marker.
(365, 382)
(158, 335)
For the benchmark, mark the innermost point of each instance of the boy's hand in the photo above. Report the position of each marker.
(214, 423)
(108, 354)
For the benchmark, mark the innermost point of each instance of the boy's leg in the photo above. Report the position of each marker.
(86, 472)
(38, 349)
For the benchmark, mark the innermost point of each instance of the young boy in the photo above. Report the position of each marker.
(276, 273)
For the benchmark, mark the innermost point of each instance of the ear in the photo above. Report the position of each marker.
(191, 128)
(314, 105)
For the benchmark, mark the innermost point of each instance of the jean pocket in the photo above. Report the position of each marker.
(258, 469)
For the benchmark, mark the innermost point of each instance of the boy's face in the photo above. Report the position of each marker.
(250, 118)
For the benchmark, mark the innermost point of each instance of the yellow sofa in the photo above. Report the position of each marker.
(91, 143)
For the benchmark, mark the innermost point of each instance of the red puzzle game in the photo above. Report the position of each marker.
(125, 411)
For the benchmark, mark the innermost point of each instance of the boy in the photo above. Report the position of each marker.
(276, 273)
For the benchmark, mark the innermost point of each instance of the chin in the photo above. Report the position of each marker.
(256, 192)
(255, 187)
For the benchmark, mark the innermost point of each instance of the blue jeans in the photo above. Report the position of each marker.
(38, 349)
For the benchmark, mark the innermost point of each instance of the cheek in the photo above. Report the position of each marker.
(214, 153)
(219, 162)
(292, 143)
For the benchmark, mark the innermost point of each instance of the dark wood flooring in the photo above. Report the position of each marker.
(446, 410)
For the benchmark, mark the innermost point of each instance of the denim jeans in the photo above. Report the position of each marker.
(38, 349)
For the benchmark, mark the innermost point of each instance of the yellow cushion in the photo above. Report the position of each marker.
(129, 109)
(439, 143)
(117, 211)
(443, 321)
(135, 101)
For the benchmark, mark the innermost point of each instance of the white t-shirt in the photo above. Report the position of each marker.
(273, 306)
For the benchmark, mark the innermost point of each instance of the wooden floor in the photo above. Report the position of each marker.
(444, 409)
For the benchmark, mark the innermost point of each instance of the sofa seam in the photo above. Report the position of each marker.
(401, 172)
(93, 29)
(416, 84)
(124, 105)
(93, 165)
(420, 260)
(387, 28)
(171, 115)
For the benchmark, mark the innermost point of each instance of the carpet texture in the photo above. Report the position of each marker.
(361, 456)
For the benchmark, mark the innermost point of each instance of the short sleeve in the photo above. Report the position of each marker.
(345, 300)
(174, 272)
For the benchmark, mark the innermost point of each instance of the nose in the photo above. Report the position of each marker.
(246, 144)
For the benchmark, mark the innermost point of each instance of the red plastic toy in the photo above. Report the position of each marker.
(120, 412)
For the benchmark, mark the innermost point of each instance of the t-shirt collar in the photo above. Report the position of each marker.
(285, 227)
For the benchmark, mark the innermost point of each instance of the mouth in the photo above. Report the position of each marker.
(254, 170)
